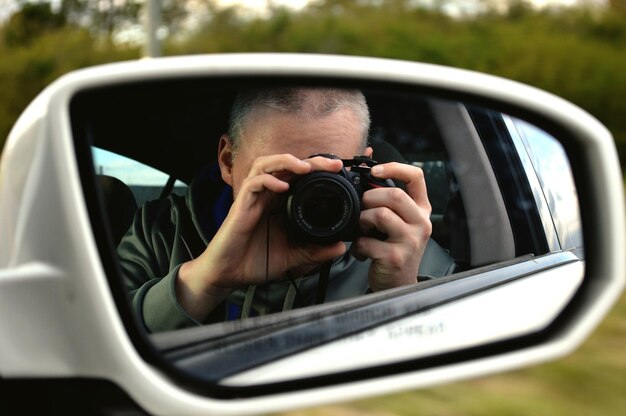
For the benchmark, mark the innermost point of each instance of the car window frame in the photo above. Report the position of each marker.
(568, 231)
(515, 186)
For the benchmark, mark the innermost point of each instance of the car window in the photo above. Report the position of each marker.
(478, 218)
(407, 123)
(145, 182)
(555, 176)
(514, 182)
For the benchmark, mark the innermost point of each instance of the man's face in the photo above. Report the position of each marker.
(269, 133)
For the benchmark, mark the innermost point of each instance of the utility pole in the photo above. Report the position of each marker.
(152, 46)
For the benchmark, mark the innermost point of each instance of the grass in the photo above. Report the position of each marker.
(591, 381)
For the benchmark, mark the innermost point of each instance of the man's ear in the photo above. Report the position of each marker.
(225, 159)
(368, 152)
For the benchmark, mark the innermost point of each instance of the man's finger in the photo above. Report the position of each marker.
(263, 182)
(279, 163)
(384, 220)
(395, 199)
(316, 254)
(252, 187)
(411, 175)
(320, 163)
(368, 247)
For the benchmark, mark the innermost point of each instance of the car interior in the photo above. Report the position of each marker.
(176, 126)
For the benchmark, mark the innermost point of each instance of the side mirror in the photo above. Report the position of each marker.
(109, 165)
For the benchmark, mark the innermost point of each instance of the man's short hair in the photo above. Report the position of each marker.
(303, 101)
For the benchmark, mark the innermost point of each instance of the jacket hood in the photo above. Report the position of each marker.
(208, 199)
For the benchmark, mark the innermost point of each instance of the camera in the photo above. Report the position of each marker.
(324, 207)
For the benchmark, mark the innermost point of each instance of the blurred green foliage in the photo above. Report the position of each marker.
(37, 47)
(576, 52)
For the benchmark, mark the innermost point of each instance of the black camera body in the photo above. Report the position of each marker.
(324, 207)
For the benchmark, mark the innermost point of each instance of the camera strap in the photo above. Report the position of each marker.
(293, 291)
(322, 284)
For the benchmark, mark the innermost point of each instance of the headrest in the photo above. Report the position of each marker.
(119, 205)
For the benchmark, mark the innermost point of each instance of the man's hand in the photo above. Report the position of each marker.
(236, 256)
(404, 217)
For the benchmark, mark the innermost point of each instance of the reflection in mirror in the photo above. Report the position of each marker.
(216, 219)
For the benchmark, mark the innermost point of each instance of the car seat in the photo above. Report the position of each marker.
(119, 205)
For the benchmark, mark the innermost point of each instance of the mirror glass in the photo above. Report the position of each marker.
(465, 192)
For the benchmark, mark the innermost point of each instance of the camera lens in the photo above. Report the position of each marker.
(323, 205)
(322, 208)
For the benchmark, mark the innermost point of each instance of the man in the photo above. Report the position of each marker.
(206, 258)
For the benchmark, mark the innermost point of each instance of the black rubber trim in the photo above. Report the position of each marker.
(576, 153)
(65, 396)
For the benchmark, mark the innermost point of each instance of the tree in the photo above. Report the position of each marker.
(102, 17)
(30, 22)
(618, 6)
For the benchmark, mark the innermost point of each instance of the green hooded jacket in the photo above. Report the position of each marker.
(168, 232)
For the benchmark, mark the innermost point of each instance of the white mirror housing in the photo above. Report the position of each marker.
(60, 317)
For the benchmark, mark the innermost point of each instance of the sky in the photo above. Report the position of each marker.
(126, 170)
(297, 4)
(7, 7)
(260, 4)
(257, 7)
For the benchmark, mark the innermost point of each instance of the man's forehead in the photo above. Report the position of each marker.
(267, 116)
(342, 121)
(338, 132)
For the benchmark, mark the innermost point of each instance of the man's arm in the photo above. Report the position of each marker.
(149, 255)
(237, 256)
